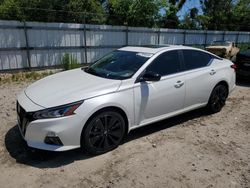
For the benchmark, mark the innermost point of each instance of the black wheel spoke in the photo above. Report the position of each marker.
(113, 140)
(116, 133)
(113, 121)
(99, 124)
(95, 139)
(218, 98)
(100, 144)
(115, 126)
(105, 131)
(106, 144)
(95, 133)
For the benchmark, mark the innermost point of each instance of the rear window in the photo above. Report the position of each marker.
(196, 59)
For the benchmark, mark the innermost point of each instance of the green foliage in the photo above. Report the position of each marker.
(216, 14)
(133, 12)
(225, 15)
(24, 76)
(190, 20)
(241, 15)
(170, 19)
(52, 10)
(243, 46)
(69, 62)
(88, 11)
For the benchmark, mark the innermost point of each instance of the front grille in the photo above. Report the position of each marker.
(24, 118)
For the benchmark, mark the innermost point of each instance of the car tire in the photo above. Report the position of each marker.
(217, 98)
(103, 132)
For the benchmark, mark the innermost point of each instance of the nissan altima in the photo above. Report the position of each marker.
(95, 107)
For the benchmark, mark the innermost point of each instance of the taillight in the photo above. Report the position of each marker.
(234, 66)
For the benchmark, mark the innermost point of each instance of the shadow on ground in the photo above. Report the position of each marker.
(19, 150)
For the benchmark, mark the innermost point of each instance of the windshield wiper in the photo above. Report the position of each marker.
(91, 71)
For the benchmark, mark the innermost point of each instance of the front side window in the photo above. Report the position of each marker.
(195, 59)
(166, 63)
(118, 64)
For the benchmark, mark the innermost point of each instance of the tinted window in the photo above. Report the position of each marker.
(118, 64)
(166, 63)
(195, 59)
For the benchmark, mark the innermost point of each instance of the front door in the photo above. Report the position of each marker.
(159, 99)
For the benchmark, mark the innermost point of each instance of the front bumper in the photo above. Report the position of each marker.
(67, 129)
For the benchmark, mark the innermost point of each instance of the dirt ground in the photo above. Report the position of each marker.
(190, 150)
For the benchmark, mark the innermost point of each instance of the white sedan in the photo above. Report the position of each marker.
(96, 107)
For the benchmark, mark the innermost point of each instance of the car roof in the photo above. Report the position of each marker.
(153, 49)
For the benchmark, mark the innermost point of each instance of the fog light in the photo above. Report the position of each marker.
(53, 139)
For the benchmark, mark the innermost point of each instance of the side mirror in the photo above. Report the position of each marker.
(150, 76)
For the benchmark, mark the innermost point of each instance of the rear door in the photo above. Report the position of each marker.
(199, 77)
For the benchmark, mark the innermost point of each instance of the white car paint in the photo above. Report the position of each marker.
(69, 86)
(142, 102)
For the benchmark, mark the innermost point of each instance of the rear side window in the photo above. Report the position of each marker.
(195, 59)
(166, 63)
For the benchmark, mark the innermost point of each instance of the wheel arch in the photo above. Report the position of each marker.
(114, 108)
(221, 82)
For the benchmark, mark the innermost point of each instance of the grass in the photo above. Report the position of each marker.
(24, 76)
(69, 62)
(243, 46)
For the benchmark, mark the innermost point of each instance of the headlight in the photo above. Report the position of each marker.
(55, 112)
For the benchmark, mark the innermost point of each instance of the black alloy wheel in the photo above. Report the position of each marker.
(218, 98)
(103, 132)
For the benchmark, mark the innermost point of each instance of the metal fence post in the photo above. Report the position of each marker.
(184, 37)
(237, 38)
(158, 35)
(85, 40)
(126, 35)
(223, 36)
(205, 44)
(27, 44)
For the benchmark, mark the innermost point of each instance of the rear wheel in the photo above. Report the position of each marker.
(103, 132)
(218, 98)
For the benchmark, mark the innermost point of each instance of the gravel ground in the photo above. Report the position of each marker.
(190, 150)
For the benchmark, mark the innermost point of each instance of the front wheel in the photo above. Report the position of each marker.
(103, 132)
(217, 99)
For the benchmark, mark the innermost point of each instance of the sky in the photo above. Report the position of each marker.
(188, 5)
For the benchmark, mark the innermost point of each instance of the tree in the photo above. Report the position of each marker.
(51, 11)
(170, 19)
(241, 18)
(191, 20)
(217, 15)
(33, 10)
(89, 11)
(133, 12)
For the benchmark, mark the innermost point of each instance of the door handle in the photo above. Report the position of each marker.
(212, 72)
(178, 84)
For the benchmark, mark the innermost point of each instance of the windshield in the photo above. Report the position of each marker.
(118, 64)
(221, 43)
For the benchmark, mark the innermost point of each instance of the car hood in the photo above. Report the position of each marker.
(69, 86)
